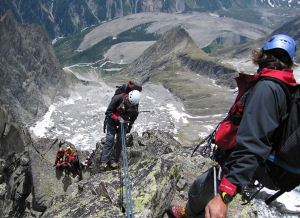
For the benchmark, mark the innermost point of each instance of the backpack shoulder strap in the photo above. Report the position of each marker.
(287, 91)
(285, 88)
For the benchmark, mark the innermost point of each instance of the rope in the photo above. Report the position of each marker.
(121, 190)
(129, 204)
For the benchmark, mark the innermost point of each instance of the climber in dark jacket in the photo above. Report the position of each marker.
(265, 106)
(123, 107)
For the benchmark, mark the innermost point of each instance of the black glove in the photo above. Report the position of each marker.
(129, 127)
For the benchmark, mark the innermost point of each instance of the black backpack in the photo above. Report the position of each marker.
(126, 88)
(287, 151)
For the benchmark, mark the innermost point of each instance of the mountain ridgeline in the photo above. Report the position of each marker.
(63, 17)
(176, 50)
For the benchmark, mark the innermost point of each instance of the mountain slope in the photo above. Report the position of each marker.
(291, 28)
(91, 45)
(63, 17)
(30, 73)
(176, 62)
(174, 48)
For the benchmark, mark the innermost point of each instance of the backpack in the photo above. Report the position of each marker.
(126, 88)
(287, 152)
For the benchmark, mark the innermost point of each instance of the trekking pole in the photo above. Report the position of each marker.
(128, 196)
(215, 180)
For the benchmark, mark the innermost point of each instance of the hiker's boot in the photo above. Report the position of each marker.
(176, 211)
(103, 167)
(114, 165)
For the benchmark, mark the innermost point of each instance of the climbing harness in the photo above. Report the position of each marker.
(128, 197)
(206, 149)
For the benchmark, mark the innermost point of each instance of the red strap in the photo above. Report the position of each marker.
(227, 186)
(114, 116)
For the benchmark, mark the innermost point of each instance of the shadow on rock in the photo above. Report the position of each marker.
(67, 181)
(58, 173)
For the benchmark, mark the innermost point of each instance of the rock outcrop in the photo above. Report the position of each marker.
(160, 172)
(153, 175)
(30, 186)
(15, 172)
(30, 73)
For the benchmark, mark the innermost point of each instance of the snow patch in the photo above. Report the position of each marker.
(41, 127)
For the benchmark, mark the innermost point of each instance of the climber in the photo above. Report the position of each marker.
(59, 157)
(248, 139)
(75, 165)
(123, 108)
(68, 159)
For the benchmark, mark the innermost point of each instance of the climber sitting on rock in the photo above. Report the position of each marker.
(68, 160)
(60, 154)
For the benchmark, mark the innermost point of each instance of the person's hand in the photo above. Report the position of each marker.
(216, 208)
(128, 129)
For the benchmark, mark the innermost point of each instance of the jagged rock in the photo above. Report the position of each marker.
(153, 143)
(180, 185)
(153, 185)
(30, 73)
(48, 182)
(18, 184)
(13, 138)
(153, 174)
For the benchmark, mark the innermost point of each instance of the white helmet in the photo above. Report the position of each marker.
(134, 97)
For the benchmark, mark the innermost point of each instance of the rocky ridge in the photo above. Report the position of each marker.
(160, 170)
(30, 73)
(177, 48)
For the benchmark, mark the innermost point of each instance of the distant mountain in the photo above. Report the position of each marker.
(30, 73)
(176, 47)
(291, 28)
(63, 17)
(176, 62)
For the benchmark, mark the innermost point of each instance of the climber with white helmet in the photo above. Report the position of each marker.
(123, 108)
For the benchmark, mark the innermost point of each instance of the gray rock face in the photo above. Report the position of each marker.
(15, 171)
(30, 74)
(153, 174)
(17, 185)
(13, 137)
(160, 170)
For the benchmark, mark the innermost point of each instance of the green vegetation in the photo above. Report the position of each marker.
(195, 53)
(214, 45)
(220, 43)
(245, 14)
(65, 49)
(188, 88)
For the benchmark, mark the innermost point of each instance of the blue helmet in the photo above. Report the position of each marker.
(281, 41)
